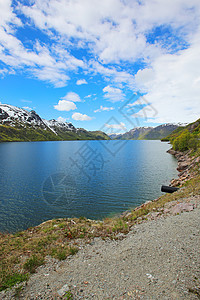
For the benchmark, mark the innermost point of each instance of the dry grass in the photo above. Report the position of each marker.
(23, 252)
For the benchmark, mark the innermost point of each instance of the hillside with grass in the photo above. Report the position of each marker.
(185, 137)
(27, 134)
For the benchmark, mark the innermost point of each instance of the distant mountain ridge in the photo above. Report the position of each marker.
(18, 124)
(147, 133)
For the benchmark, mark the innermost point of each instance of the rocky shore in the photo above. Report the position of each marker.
(186, 166)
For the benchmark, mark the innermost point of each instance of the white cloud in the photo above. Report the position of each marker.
(61, 119)
(3, 72)
(88, 96)
(26, 101)
(7, 16)
(81, 81)
(115, 30)
(104, 109)
(48, 63)
(27, 108)
(81, 117)
(113, 94)
(57, 77)
(172, 85)
(71, 96)
(120, 126)
(111, 73)
(64, 105)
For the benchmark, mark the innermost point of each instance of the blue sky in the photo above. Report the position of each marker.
(109, 64)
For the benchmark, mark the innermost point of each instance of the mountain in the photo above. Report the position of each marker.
(17, 124)
(147, 133)
(114, 136)
(159, 132)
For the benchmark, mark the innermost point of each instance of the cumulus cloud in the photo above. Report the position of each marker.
(104, 109)
(64, 105)
(110, 29)
(111, 73)
(7, 15)
(88, 96)
(71, 96)
(57, 77)
(27, 108)
(48, 63)
(81, 117)
(172, 85)
(81, 81)
(120, 126)
(61, 119)
(113, 94)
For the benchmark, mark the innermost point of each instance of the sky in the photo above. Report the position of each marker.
(108, 65)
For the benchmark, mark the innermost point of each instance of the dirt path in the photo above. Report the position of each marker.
(159, 259)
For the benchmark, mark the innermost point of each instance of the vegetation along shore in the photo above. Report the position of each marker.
(157, 232)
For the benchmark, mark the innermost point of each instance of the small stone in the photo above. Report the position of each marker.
(63, 290)
(174, 281)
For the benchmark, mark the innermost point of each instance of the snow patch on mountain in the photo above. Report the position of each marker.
(12, 116)
(56, 126)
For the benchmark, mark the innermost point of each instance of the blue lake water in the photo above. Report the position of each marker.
(45, 180)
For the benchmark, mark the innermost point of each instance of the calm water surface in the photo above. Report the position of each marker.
(45, 180)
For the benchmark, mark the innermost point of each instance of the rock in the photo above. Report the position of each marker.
(147, 202)
(175, 182)
(197, 160)
(180, 207)
(63, 290)
(172, 151)
(125, 213)
(182, 166)
(152, 278)
(154, 215)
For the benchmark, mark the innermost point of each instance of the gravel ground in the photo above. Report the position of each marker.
(158, 259)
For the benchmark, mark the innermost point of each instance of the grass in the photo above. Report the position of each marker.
(18, 133)
(68, 296)
(33, 262)
(10, 280)
(21, 253)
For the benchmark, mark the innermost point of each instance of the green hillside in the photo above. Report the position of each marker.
(28, 133)
(186, 137)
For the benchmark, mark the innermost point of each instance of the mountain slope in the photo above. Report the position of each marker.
(159, 132)
(18, 124)
(185, 137)
(147, 133)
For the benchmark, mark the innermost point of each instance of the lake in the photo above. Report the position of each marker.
(45, 180)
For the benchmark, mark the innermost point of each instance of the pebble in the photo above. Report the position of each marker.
(63, 290)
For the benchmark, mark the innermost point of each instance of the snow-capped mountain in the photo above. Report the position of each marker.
(15, 116)
(12, 115)
(56, 126)
(18, 124)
